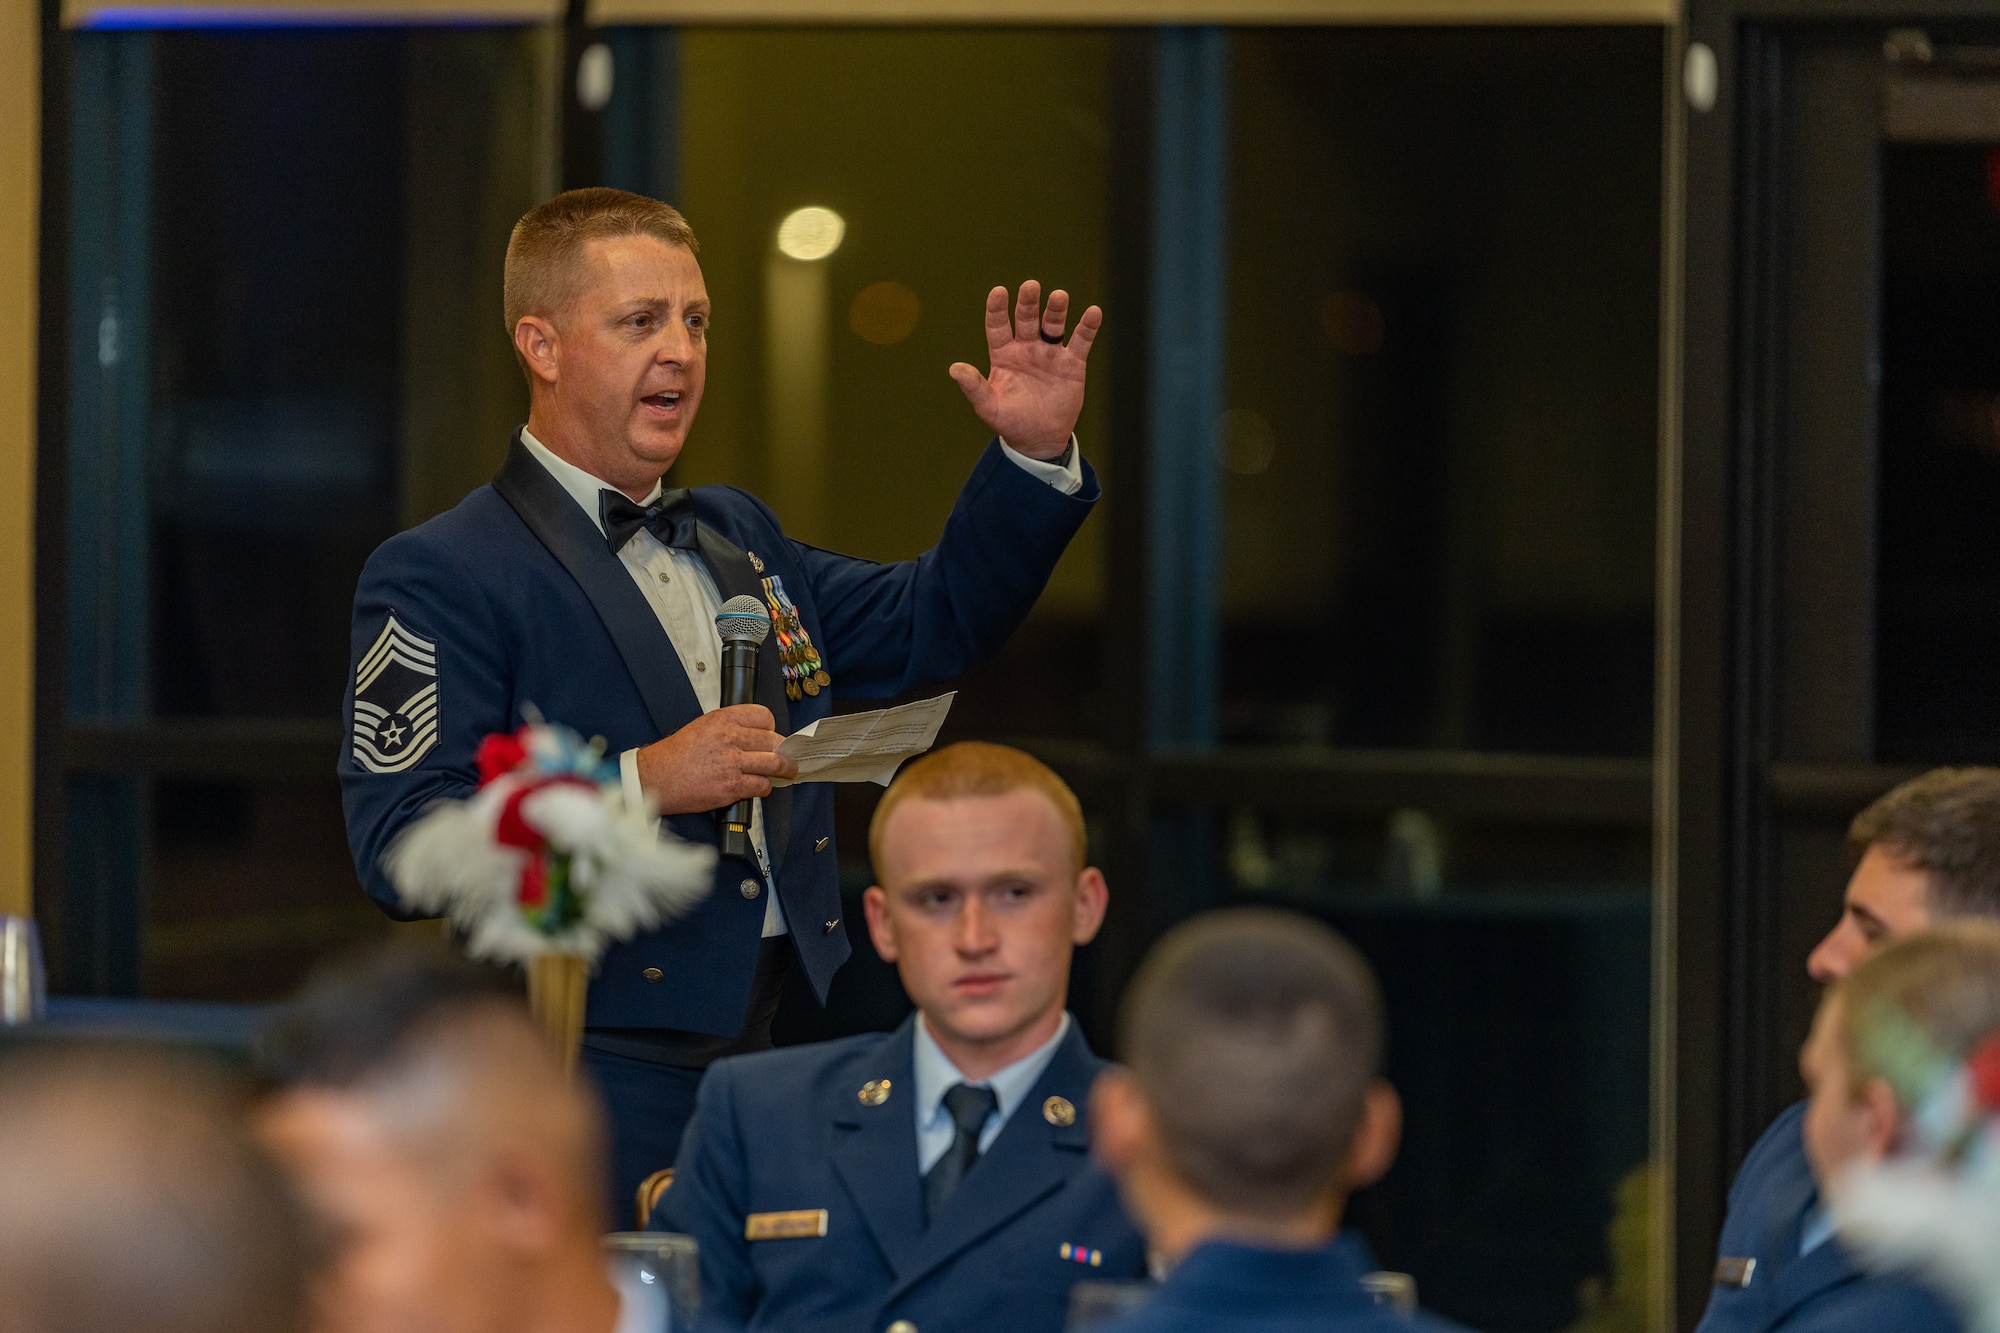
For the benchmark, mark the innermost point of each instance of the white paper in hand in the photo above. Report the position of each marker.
(864, 747)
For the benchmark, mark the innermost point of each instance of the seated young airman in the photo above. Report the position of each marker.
(1925, 854)
(1889, 1043)
(936, 1178)
(1250, 1108)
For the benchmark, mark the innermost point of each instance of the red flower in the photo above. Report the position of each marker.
(512, 829)
(534, 890)
(1984, 1069)
(500, 754)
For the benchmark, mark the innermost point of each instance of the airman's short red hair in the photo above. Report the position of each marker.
(979, 768)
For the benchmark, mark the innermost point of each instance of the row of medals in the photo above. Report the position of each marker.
(804, 672)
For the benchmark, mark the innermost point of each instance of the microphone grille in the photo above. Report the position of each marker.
(743, 618)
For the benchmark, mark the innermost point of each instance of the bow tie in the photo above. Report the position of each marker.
(671, 519)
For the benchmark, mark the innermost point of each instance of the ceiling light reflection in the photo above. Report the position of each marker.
(810, 233)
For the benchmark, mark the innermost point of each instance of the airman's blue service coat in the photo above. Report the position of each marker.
(1763, 1283)
(789, 1132)
(1225, 1287)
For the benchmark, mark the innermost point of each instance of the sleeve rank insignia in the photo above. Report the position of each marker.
(395, 701)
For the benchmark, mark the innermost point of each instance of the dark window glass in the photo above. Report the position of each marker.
(1515, 966)
(249, 883)
(285, 266)
(275, 360)
(1938, 613)
(827, 391)
(1438, 446)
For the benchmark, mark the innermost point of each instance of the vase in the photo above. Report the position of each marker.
(557, 983)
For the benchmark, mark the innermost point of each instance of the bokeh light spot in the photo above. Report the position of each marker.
(884, 313)
(810, 233)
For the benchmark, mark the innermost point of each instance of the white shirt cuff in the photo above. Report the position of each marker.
(1065, 477)
(628, 781)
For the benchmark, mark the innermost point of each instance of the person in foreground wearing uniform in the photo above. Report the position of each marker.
(133, 1200)
(1904, 1019)
(1249, 1108)
(576, 585)
(455, 1170)
(936, 1178)
(1928, 853)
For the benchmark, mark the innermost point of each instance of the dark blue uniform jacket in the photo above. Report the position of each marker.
(1223, 1287)
(788, 1129)
(1823, 1291)
(514, 599)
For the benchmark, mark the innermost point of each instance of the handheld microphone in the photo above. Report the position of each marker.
(743, 624)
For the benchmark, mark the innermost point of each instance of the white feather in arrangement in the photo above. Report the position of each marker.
(547, 857)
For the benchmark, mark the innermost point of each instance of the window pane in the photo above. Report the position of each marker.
(827, 392)
(1515, 964)
(275, 360)
(1438, 447)
(1938, 617)
(286, 268)
(285, 255)
(249, 883)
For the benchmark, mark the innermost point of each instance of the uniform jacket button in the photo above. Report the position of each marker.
(902, 1326)
(652, 974)
(749, 888)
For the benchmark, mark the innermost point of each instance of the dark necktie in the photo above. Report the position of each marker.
(670, 518)
(969, 1107)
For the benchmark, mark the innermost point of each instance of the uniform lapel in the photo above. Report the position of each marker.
(1795, 1278)
(1030, 1160)
(628, 617)
(875, 1147)
(734, 577)
(1828, 1266)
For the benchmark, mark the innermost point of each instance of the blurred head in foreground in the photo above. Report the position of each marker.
(455, 1169)
(1888, 1036)
(132, 1200)
(1250, 1104)
(1926, 852)
(982, 897)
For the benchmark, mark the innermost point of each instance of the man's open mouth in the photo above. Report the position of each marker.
(665, 401)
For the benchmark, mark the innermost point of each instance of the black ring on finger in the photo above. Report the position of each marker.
(1048, 337)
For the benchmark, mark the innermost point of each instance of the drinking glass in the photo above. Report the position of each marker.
(24, 992)
(1398, 1291)
(662, 1270)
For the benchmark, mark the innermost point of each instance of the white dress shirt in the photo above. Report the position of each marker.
(935, 1075)
(682, 593)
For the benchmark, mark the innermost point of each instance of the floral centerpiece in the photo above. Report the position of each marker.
(546, 865)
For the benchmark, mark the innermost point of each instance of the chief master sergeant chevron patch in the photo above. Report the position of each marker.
(395, 701)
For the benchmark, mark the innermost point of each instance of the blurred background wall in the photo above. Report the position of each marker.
(20, 300)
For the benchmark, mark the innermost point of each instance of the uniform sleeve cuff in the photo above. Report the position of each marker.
(1066, 475)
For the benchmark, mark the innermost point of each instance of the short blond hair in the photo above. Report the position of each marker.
(546, 248)
(980, 768)
(1919, 1007)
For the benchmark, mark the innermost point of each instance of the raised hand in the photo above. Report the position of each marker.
(1033, 392)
